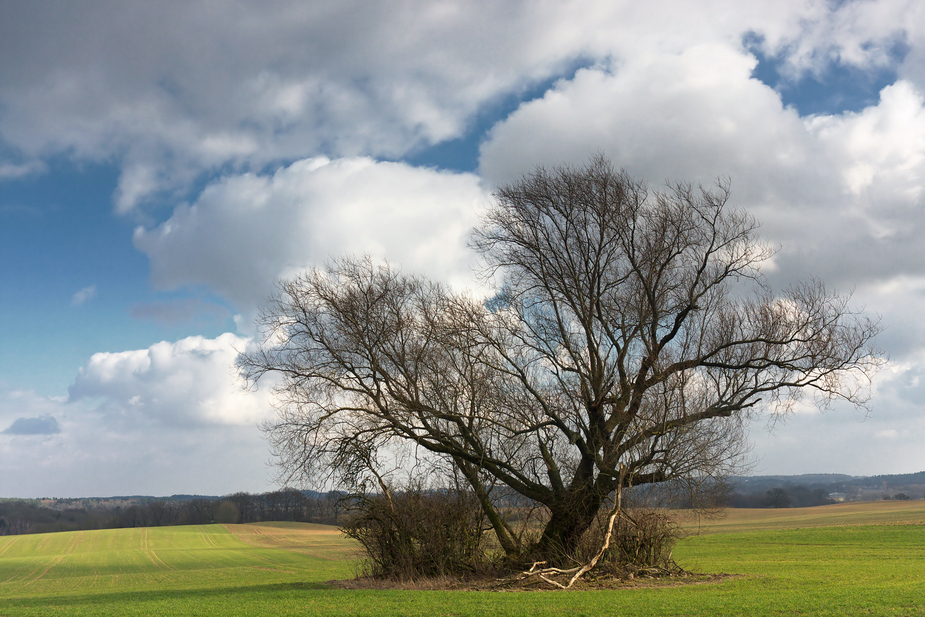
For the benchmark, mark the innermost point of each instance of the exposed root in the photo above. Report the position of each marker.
(575, 573)
(565, 578)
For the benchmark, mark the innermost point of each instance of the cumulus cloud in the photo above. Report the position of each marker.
(861, 34)
(246, 231)
(692, 116)
(881, 152)
(189, 382)
(92, 453)
(172, 418)
(176, 90)
(840, 194)
(695, 114)
(320, 91)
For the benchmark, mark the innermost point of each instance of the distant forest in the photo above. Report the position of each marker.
(821, 489)
(19, 516)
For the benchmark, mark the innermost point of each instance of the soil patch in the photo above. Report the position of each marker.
(532, 584)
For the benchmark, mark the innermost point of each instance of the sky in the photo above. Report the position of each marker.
(162, 164)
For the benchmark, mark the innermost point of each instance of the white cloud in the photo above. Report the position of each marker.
(882, 149)
(172, 92)
(246, 231)
(189, 382)
(691, 115)
(861, 33)
(91, 455)
(83, 296)
(169, 419)
(176, 90)
(841, 194)
(885, 439)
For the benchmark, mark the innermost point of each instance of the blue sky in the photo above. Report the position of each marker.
(161, 165)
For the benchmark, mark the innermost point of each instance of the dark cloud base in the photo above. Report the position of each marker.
(42, 425)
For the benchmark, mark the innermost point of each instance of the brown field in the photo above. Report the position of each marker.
(853, 513)
(323, 541)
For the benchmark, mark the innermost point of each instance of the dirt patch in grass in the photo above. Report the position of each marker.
(588, 583)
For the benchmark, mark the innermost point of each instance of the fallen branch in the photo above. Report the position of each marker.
(578, 571)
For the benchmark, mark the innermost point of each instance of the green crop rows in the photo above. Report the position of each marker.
(850, 569)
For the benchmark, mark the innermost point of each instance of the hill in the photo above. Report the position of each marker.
(819, 489)
(18, 516)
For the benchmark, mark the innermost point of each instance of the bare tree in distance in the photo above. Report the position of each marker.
(632, 330)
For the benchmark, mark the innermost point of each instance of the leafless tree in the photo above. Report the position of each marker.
(632, 329)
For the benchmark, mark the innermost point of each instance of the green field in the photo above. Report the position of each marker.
(851, 559)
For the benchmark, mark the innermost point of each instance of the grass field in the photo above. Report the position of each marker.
(848, 559)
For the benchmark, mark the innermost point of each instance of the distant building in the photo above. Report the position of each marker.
(837, 496)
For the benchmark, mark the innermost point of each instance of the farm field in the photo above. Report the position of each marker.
(854, 513)
(846, 559)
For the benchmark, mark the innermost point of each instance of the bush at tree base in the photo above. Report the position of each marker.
(642, 538)
(418, 533)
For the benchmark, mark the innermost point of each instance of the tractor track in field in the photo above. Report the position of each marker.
(9, 545)
(157, 561)
(40, 572)
(207, 538)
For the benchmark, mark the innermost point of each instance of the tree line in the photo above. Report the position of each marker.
(821, 489)
(779, 497)
(19, 516)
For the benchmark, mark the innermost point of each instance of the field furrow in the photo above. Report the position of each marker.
(157, 561)
(72, 542)
(7, 543)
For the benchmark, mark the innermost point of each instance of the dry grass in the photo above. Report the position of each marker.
(322, 541)
(835, 515)
(588, 582)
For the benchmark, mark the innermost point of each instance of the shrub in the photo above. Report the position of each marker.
(642, 539)
(417, 533)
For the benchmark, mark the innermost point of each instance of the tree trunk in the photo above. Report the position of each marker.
(507, 540)
(570, 518)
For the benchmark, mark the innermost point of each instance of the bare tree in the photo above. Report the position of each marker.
(633, 329)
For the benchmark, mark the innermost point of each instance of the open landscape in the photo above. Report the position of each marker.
(858, 558)
(460, 308)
